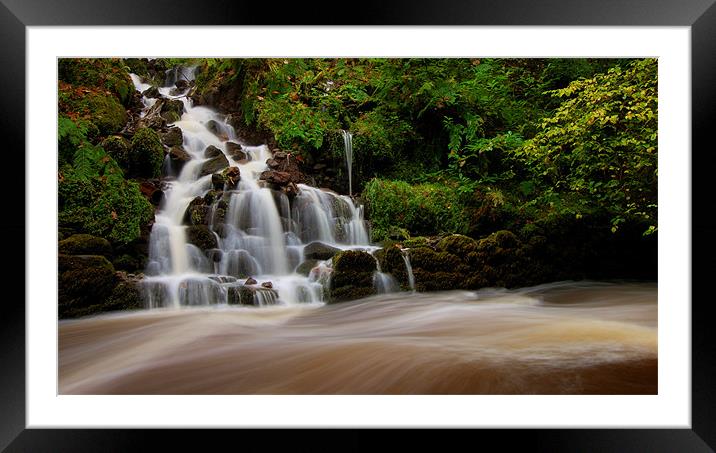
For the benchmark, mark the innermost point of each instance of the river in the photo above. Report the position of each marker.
(558, 338)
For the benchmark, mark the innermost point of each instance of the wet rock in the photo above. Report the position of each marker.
(212, 151)
(291, 190)
(201, 236)
(319, 167)
(172, 137)
(152, 92)
(152, 191)
(250, 281)
(251, 296)
(214, 255)
(197, 213)
(305, 267)
(214, 165)
(268, 285)
(182, 84)
(272, 163)
(232, 176)
(217, 181)
(84, 281)
(279, 155)
(235, 151)
(126, 295)
(352, 276)
(216, 128)
(178, 157)
(279, 178)
(119, 148)
(85, 244)
(319, 251)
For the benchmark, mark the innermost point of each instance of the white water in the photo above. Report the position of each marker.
(264, 232)
(348, 146)
(409, 270)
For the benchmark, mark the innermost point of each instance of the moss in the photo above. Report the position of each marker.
(201, 236)
(352, 276)
(394, 264)
(107, 73)
(85, 244)
(83, 281)
(457, 244)
(105, 112)
(147, 154)
(119, 149)
(419, 241)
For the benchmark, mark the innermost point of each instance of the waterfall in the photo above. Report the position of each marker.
(409, 270)
(348, 147)
(261, 232)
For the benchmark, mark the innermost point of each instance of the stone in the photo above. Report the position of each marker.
(178, 157)
(172, 137)
(201, 236)
(85, 244)
(250, 281)
(214, 165)
(235, 151)
(268, 285)
(319, 251)
(280, 178)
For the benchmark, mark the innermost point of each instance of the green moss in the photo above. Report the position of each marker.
(107, 73)
(352, 276)
(112, 208)
(201, 236)
(119, 149)
(146, 154)
(457, 244)
(105, 112)
(85, 244)
(83, 281)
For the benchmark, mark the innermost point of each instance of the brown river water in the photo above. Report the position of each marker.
(560, 338)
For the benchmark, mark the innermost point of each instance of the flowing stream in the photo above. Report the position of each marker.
(561, 338)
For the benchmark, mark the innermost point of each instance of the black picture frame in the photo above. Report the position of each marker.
(700, 15)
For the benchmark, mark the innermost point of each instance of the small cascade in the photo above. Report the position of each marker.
(259, 232)
(384, 282)
(409, 269)
(348, 147)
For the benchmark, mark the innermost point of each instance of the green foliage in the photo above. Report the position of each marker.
(103, 206)
(106, 74)
(601, 143)
(146, 154)
(397, 207)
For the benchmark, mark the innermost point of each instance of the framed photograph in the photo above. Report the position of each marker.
(466, 182)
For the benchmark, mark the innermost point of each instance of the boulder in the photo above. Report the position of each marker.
(305, 267)
(272, 163)
(119, 148)
(235, 151)
(249, 295)
(214, 165)
(352, 276)
(182, 84)
(212, 151)
(232, 176)
(279, 178)
(268, 285)
(201, 236)
(152, 92)
(84, 281)
(126, 295)
(250, 281)
(178, 157)
(197, 213)
(85, 244)
(319, 251)
(172, 137)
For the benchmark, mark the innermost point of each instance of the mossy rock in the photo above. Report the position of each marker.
(394, 264)
(119, 149)
(125, 296)
(128, 263)
(197, 213)
(107, 73)
(105, 112)
(352, 276)
(172, 106)
(320, 251)
(419, 241)
(201, 236)
(83, 281)
(85, 244)
(147, 154)
(458, 245)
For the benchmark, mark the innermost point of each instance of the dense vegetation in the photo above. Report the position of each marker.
(488, 142)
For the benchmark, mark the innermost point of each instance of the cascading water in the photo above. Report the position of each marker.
(409, 270)
(348, 147)
(262, 233)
